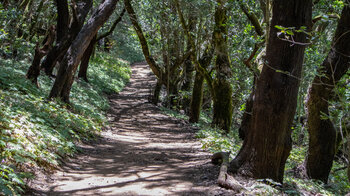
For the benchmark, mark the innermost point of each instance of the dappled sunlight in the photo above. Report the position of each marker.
(142, 152)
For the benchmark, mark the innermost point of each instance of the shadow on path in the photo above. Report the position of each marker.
(143, 152)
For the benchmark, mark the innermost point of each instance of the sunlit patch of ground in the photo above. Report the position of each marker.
(143, 152)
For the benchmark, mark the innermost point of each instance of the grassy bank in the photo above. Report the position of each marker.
(215, 140)
(39, 133)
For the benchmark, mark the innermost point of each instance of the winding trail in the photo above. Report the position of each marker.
(143, 152)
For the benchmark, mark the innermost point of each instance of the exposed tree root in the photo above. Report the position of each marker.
(225, 180)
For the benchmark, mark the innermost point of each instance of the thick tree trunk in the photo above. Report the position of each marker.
(86, 58)
(70, 62)
(60, 49)
(322, 133)
(268, 141)
(222, 97)
(62, 19)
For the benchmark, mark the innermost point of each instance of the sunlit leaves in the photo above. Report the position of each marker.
(36, 132)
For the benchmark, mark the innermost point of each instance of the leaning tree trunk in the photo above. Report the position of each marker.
(59, 50)
(222, 98)
(144, 45)
(85, 59)
(268, 141)
(70, 62)
(90, 50)
(322, 133)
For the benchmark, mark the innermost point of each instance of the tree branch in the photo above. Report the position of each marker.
(197, 64)
(115, 23)
(253, 19)
(151, 62)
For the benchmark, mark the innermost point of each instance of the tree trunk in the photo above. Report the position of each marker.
(247, 116)
(197, 91)
(34, 70)
(86, 58)
(322, 133)
(222, 98)
(70, 62)
(59, 50)
(197, 97)
(189, 69)
(156, 92)
(268, 141)
(144, 45)
(62, 19)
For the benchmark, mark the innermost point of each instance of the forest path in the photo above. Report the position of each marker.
(143, 152)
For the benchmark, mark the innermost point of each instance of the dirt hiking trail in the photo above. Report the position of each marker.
(143, 152)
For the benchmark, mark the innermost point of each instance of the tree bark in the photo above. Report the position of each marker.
(62, 19)
(222, 97)
(85, 59)
(197, 91)
(144, 45)
(247, 115)
(34, 70)
(70, 62)
(197, 98)
(90, 50)
(80, 12)
(268, 141)
(189, 68)
(322, 133)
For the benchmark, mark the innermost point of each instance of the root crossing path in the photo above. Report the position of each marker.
(142, 152)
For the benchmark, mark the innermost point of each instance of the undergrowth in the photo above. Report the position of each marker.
(36, 133)
(215, 140)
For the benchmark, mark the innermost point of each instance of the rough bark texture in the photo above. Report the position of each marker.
(70, 62)
(322, 133)
(222, 97)
(268, 142)
(80, 12)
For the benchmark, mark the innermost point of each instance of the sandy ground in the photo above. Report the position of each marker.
(142, 152)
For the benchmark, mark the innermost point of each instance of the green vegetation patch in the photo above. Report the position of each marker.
(36, 132)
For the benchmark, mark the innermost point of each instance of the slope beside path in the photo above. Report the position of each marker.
(143, 152)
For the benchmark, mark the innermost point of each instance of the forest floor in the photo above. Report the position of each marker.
(142, 152)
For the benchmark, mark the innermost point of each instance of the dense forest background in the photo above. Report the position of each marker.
(267, 80)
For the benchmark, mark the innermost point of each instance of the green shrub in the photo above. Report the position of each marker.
(39, 133)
